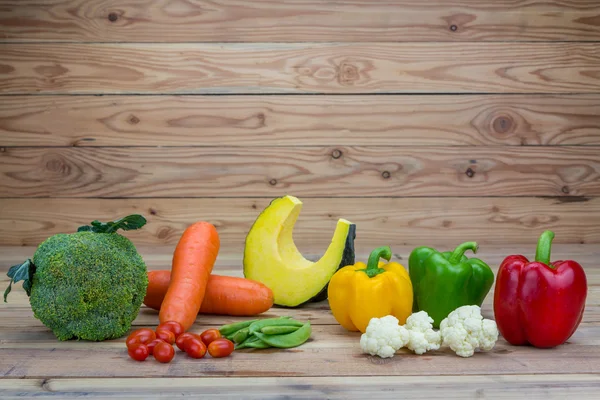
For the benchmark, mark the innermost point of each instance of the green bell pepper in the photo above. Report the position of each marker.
(444, 281)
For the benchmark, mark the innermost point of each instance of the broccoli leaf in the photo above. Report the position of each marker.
(128, 223)
(21, 272)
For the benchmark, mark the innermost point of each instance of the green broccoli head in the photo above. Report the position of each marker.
(88, 285)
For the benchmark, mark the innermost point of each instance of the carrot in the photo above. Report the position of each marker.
(225, 295)
(193, 261)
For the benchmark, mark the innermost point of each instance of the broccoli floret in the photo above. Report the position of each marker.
(88, 285)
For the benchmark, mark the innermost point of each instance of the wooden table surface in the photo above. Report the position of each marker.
(329, 365)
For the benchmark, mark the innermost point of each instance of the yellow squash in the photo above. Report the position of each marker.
(360, 292)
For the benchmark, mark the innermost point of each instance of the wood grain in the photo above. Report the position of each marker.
(352, 120)
(337, 350)
(304, 171)
(394, 221)
(543, 387)
(300, 68)
(297, 20)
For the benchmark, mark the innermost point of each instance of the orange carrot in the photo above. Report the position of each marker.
(193, 261)
(225, 295)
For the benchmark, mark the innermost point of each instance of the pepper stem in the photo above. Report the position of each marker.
(544, 246)
(373, 263)
(460, 251)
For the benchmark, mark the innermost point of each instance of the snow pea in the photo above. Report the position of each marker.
(230, 329)
(252, 342)
(258, 325)
(258, 344)
(241, 335)
(278, 330)
(289, 340)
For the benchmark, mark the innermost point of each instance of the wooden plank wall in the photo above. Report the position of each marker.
(422, 121)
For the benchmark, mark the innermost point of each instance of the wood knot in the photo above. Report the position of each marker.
(51, 71)
(470, 173)
(164, 232)
(386, 175)
(336, 154)
(56, 165)
(503, 124)
(254, 206)
(348, 74)
(273, 182)
(133, 120)
(565, 190)
(453, 28)
(113, 17)
(261, 118)
(6, 69)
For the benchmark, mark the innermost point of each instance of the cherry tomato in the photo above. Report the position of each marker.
(138, 351)
(172, 326)
(181, 339)
(194, 347)
(152, 344)
(209, 335)
(143, 336)
(163, 352)
(220, 348)
(166, 336)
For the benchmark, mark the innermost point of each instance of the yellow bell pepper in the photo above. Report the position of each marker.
(360, 292)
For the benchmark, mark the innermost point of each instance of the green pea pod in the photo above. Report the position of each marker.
(259, 344)
(289, 340)
(227, 330)
(252, 342)
(258, 325)
(278, 330)
(241, 335)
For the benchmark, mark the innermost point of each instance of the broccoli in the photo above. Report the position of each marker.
(87, 285)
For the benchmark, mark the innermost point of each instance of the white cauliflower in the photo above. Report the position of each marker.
(465, 330)
(422, 337)
(383, 337)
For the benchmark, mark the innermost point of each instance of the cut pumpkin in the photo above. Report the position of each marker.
(272, 258)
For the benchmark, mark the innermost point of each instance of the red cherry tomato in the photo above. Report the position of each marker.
(166, 336)
(138, 351)
(163, 352)
(209, 335)
(194, 347)
(172, 326)
(182, 338)
(220, 348)
(152, 344)
(143, 336)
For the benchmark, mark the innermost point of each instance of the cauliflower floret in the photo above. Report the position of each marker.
(383, 337)
(422, 337)
(465, 330)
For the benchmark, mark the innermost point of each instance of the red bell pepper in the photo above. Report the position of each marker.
(539, 303)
